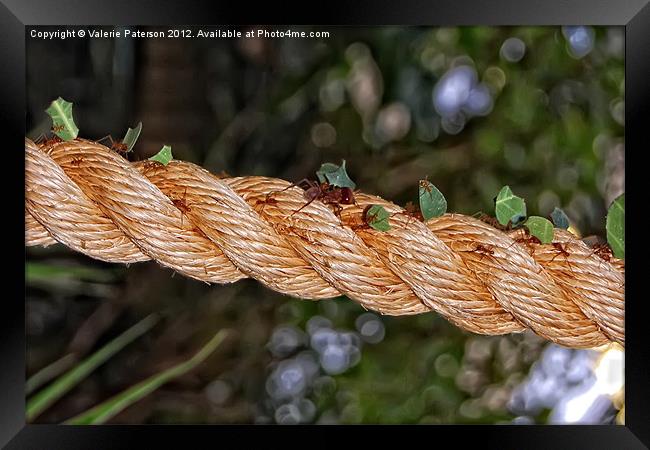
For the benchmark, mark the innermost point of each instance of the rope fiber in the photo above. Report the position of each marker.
(220, 230)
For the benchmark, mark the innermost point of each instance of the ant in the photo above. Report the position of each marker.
(150, 164)
(327, 194)
(57, 128)
(413, 210)
(600, 248)
(181, 204)
(117, 146)
(603, 251)
(493, 221)
(561, 250)
(76, 161)
(528, 240)
(366, 220)
(44, 141)
(484, 250)
(153, 166)
(265, 201)
(366, 217)
(424, 184)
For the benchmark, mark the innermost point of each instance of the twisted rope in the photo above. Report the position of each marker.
(220, 230)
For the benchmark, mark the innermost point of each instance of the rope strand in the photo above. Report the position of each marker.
(220, 230)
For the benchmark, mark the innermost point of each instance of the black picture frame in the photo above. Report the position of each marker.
(16, 15)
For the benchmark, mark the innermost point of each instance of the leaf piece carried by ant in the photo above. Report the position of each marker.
(560, 219)
(509, 208)
(432, 202)
(131, 137)
(377, 217)
(164, 156)
(615, 226)
(62, 121)
(541, 228)
(335, 175)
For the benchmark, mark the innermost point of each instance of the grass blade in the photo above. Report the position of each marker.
(111, 407)
(49, 372)
(45, 398)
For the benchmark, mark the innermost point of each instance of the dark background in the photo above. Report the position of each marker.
(281, 107)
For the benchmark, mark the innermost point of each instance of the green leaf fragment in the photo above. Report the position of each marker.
(378, 218)
(131, 137)
(432, 202)
(335, 175)
(324, 169)
(615, 226)
(62, 121)
(163, 156)
(560, 219)
(541, 228)
(509, 207)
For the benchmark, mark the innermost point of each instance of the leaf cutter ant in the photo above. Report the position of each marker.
(528, 240)
(117, 146)
(44, 141)
(267, 200)
(182, 205)
(603, 251)
(76, 161)
(413, 211)
(561, 250)
(484, 250)
(367, 217)
(327, 194)
(493, 221)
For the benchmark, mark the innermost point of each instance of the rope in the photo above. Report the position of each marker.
(220, 230)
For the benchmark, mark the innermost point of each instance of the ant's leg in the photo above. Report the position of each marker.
(559, 251)
(567, 255)
(304, 180)
(303, 206)
(109, 137)
(513, 243)
(595, 252)
(566, 258)
(337, 209)
(478, 249)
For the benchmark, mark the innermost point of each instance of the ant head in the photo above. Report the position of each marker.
(411, 207)
(347, 196)
(325, 186)
(364, 216)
